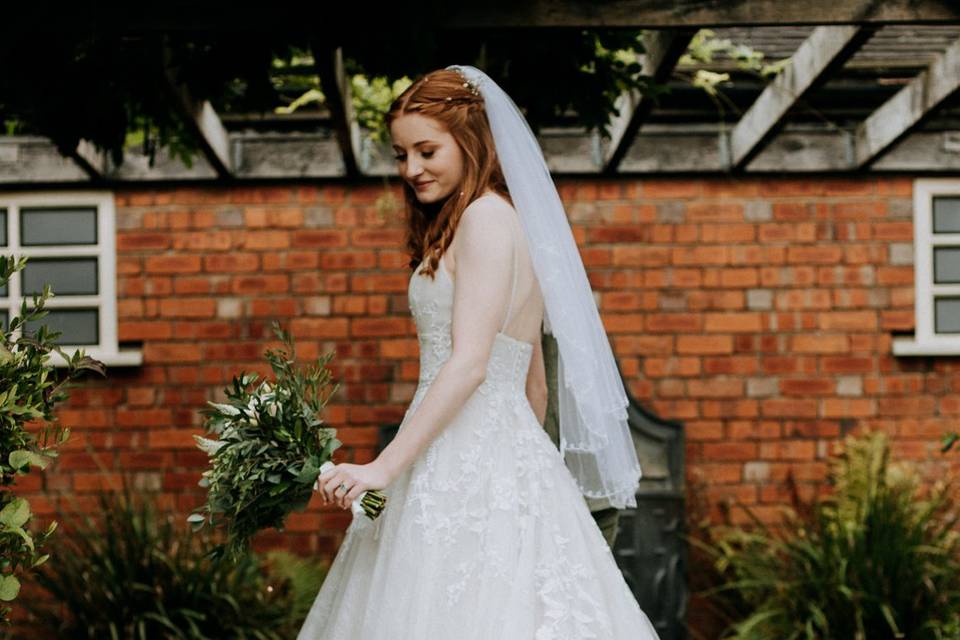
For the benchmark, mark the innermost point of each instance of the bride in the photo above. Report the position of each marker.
(487, 534)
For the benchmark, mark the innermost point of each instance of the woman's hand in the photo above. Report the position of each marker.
(357, 478)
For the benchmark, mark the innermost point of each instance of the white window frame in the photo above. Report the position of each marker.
(106, 351)
(926, 342)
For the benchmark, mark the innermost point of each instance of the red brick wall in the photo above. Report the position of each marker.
(757, 311)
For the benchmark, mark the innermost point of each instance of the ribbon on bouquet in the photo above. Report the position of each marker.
(369, 503)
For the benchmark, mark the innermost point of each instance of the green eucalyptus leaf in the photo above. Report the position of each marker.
(309, 473)
(22, 458)
(5, 355)
(9, 588)
(15, 514)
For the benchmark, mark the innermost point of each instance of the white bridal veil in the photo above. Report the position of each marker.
(595, 439)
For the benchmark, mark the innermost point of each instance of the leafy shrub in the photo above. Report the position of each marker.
(875, 560)
(29, 388)
(137, 574)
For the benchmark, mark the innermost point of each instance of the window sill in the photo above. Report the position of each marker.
(911, 347)
(121, 358)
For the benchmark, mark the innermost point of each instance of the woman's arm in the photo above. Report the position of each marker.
(537, 383)
(482, 245)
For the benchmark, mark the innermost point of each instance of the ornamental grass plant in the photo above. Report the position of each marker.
(134, 573)
(877, 559)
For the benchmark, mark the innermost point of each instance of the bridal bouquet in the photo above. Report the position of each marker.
(270, 448)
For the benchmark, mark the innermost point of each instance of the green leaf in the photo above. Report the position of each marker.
(23, 458)
(9, 588)
(309, 473)
(15, 514)
(26, 537)
(948, 441)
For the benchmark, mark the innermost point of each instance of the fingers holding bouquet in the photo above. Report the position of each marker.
(343, 483)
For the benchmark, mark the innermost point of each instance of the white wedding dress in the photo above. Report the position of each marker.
(486, 536)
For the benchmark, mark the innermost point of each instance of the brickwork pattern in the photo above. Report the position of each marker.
(759, 312)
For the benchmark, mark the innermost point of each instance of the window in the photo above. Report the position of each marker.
(69, 242)
(936, 232)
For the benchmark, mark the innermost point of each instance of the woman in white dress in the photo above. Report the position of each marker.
(486, 534)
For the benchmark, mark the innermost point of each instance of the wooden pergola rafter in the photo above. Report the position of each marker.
(827, 48)
(91, 160)
(313, 17)
(204, 123)
(905, 110)
(336, 88)
(662, 50)
(754, 143)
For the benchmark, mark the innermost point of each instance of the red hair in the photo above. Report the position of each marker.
(441, 95)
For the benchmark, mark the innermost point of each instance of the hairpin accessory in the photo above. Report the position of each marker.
(473, 86)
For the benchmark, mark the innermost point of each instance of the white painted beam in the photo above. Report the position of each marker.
(336, 89)
(908, 107)
(657, 14)
(202, 118)
(93, 161)
(662, 51)
(823, 51)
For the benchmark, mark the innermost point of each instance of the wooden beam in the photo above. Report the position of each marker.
(92, 160)
(907, 108)
(657, 14)
(662, 51)
(205, 124)
(336, 89)
(311, 18)
(825, 50)
(212, 136)
(660, 149)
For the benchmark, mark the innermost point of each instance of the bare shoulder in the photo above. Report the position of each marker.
(489, 210)
(485, 226)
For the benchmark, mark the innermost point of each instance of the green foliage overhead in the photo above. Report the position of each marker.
(103, 85)
(104, 79)
(109, 87)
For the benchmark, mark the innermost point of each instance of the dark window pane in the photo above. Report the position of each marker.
(3, 320)
(68, 225)
(947, 315)
(3, 227)
(946, 264)
(79, 326)
(67, 276)
(946, 214)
